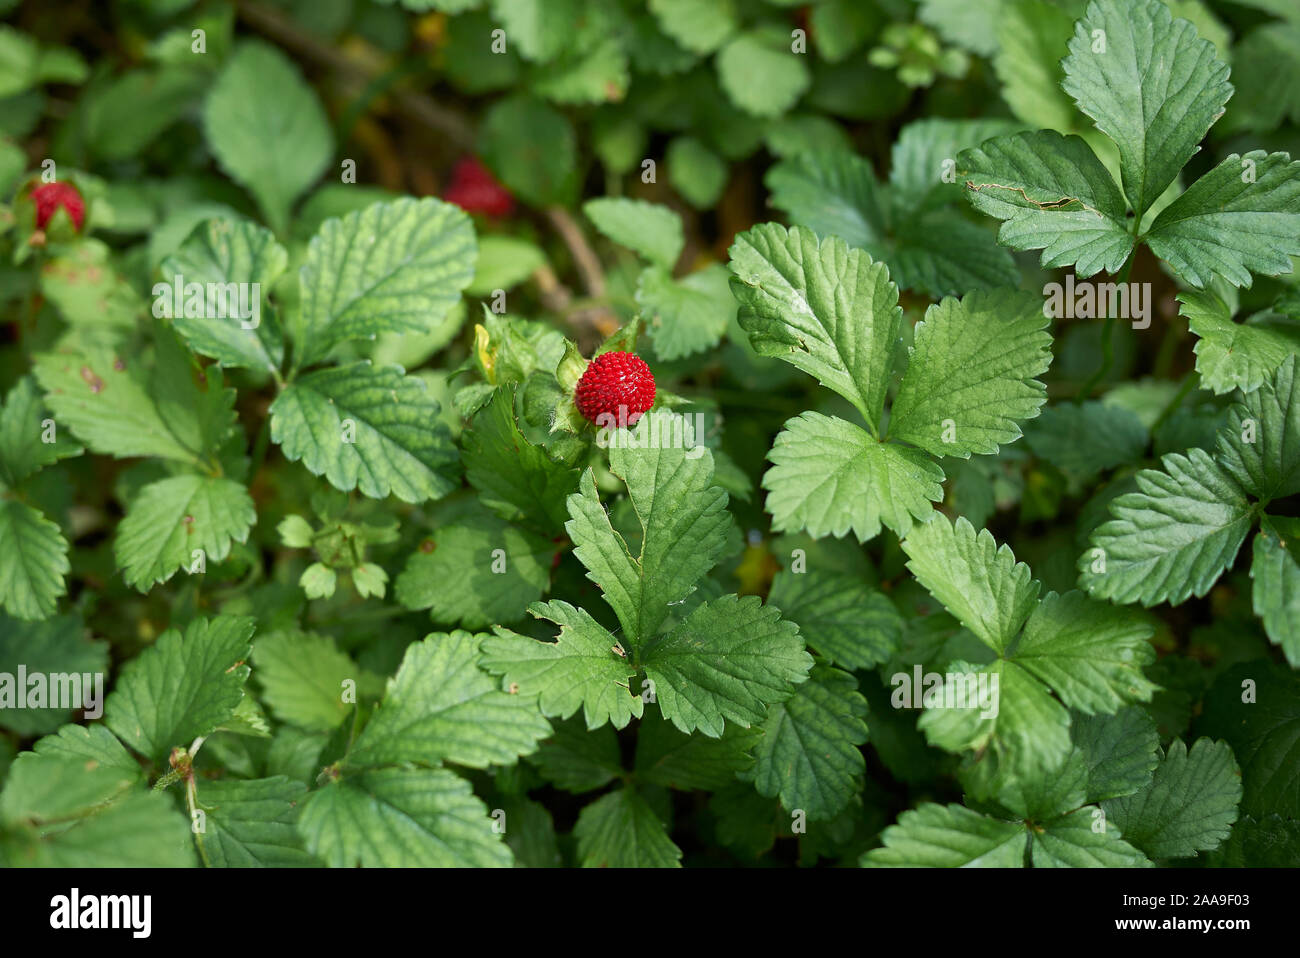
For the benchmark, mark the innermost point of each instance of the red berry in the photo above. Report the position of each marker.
(50, 196)
(617, 385)
(475, 190)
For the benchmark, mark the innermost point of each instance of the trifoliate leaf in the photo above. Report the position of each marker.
(760, 74)
(1172, 538)
(729, 660)
(1087, 438)
(303, 678)
(1259, 446)
(839, 616)
(978, 581)
(476, 572)
(1231, 355)
(583, 668)
(183, 522)
(689, 315)
(366, 428)
(1090, 653)
(970, 376)
(400, 818)
(949, 836)
(1119, 751)
(251, 824)
(1242, 217)
(239, 120)
(829, 477)
(391, 267)
(684, 522)
(1189, 805)
(665, 756)
(1151, 84)
(620, 830)
(33, 562)
(230, 320)
(24, 431)
(441, 706)
(516, 478)
(1053, 194)
(1275, 571)
(181, 688)
(61, 666)
(809, 755)
(651, 229)
(1084, 840)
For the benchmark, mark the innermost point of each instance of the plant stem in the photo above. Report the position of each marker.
(1107, 346)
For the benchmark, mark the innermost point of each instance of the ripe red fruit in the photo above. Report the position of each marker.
(48, 197)
(616, 385)
(475, 190)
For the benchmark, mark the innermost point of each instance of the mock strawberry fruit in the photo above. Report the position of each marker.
(48, 197)
(616, 385)
(475, 190)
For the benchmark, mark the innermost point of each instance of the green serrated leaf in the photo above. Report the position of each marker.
(228, 257)
(728, 660)
(581, 669)
(1241, 217)
(1151, 84)
(948, 836)
(620, 830)
(970, 376)
(829, 477)
(1053, 194)
(978, 581)
(392, 267)
(181, 688)
(367, 428)
(1172, 538)
(24, 429)
(181, 523)
(1259, 446)
(1189, 805)
(478, 571)
(239, 121)
(441, 706)
(250, 824)
(401, 818)
(651, 229)
(33, 562)
(809, 756)
(840, 616)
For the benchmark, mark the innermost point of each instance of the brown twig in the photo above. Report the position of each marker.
(593, 277)
(420, 107)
